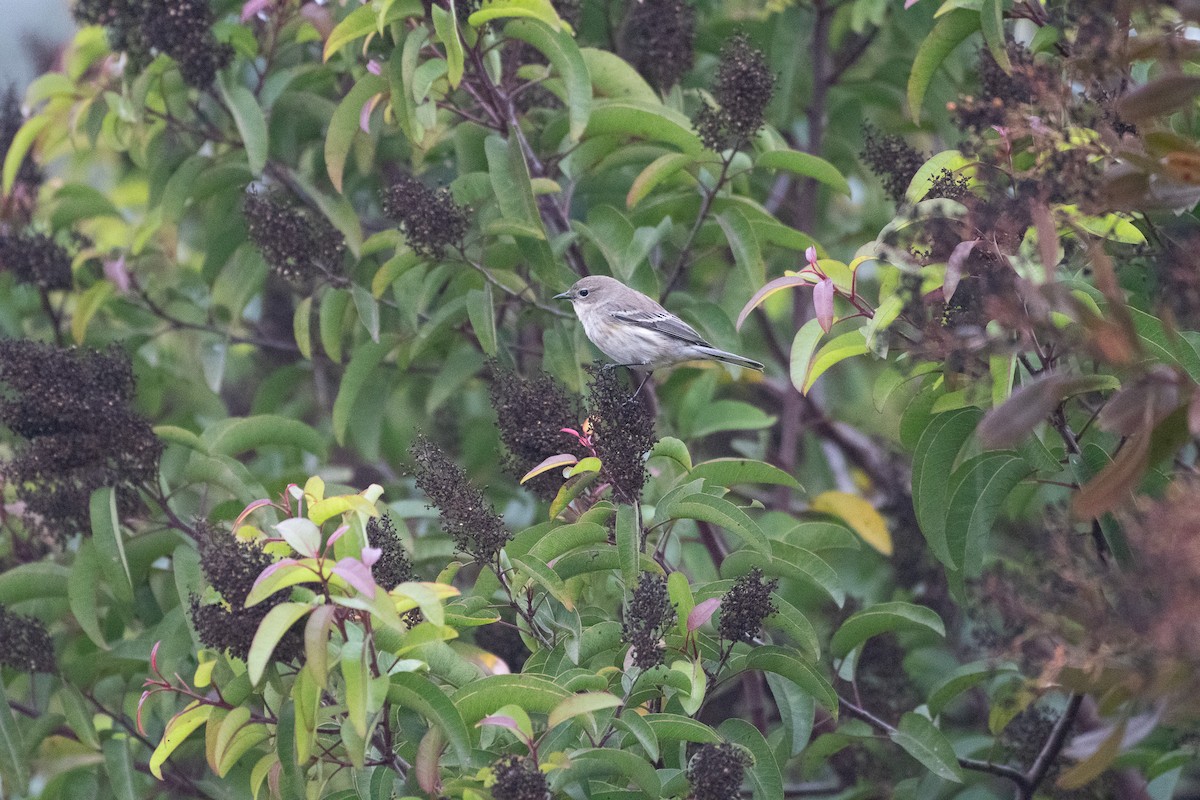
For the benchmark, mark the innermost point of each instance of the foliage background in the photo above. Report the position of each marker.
(946, 545)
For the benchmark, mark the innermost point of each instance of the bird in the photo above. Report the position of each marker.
(635, 331)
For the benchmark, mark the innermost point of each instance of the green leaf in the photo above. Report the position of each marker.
(629, 541)
(883, 618)
(949, 32)
(738, 471)
(657, 171)
(977, 492)
(541, 10)
(678, 728)
(804, 347)
(563, 53)
(364, 361)
(921, 739)
(344, 125)
(86, 306)
(238, 435)
(445, 24)
(746, 252)
(178, 729)
(545, 577)
(636, 725)
(110, 543)
(19, 147)
(358, 23)
(791, 621)
(933, 460)
(680, 593)
(481, 697)
(612, 76)
(962, 679)
(674, 449)
(14, 766)
(481, 312)
(565, 538)
(721, 512)
(643, 121)
(991, 19)
(33, 581)
(806, 165)
(81, 592)
(838, 349)
(78, 715)
(788, 561)
(251, 123)
(277, 622)
(417, 692)
(368, 310)
(789, 664)
(765, 778)
(302, 327)
(621, 763)
(584, 703)
(118, 763)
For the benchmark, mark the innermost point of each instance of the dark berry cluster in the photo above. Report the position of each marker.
(36, 259)
(11, 120)
(297, 244)
(231, 566)
(647, 619)
(893, 160)
(26, 643)
(657, 39)
(430, 218)
(716, 771)
(182, 29)
(72, 408)
(466, 515)
(623, 432)
(745, 606)
(394, 566)
(950, 186)
(743, 88)
(518, 778)
(530, 414)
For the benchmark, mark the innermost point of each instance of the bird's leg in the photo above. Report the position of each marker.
(636, 391)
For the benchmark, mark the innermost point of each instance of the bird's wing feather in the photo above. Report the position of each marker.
(663, 322)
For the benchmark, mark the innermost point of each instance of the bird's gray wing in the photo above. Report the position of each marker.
(663, 322)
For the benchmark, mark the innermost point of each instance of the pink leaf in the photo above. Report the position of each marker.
(553, 462)
(364, 116)
(252, 8)
(370, 555)
(374, 67)
(823, 303)
(702, 613)
(248, 510)
(910, 3)
(319, 16)
(786, 282)
(954, 267)
(500, 720)
(357, 574)
(115, 271)
(335, 536)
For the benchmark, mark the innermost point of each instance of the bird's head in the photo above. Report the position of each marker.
(589, 290)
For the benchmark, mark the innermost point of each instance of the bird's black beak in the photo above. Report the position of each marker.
(567, 295)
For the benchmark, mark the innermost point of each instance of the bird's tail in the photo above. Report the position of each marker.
(731, 358)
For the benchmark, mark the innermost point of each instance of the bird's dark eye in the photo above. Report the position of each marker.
(583, 292)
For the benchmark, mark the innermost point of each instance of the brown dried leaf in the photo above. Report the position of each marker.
(1115, 482)
(1161, 96)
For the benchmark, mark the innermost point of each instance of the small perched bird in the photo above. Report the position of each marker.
(635, 331)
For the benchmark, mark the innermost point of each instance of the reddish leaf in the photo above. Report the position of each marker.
(823, 303)
(1109, 489)
(786, 282)
(1162, 96)
(702, 613)
(1047, 236)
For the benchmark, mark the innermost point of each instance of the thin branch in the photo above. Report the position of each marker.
(1052, 747)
